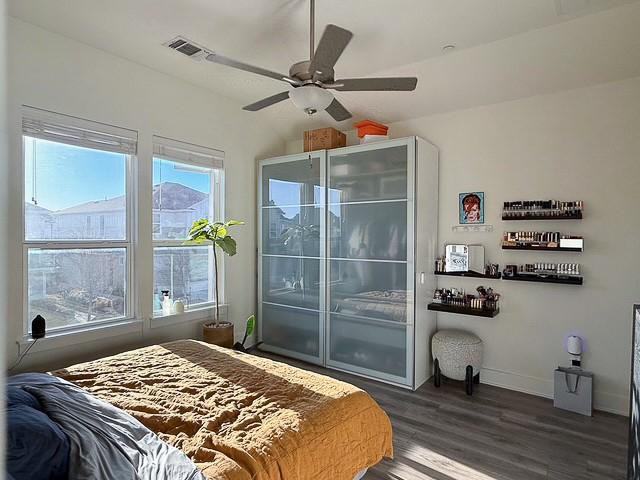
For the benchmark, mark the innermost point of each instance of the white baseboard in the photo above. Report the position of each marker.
(604, 401)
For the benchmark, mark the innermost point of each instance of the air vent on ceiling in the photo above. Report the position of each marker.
(187, 47)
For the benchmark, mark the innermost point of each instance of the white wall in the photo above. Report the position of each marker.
(577, 145)
(55, 73)
(4, 221)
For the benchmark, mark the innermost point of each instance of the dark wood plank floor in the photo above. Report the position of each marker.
(497, 434)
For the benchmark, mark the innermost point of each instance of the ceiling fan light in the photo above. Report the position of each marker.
(311, 98)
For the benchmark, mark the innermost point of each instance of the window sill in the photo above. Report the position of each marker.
(59, 340)
(56, 340)
(192, 315)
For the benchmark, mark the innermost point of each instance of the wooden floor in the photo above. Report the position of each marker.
(442, 434)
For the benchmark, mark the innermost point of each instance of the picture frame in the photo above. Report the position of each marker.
(471, 208)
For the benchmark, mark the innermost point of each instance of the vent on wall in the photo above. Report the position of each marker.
(187, 47)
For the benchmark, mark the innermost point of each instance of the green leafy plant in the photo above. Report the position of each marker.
(250, 327)
(204, 231)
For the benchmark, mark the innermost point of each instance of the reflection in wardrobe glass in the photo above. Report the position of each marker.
(369, 230)
(292, 183)
(369, 289)
(379, 174)
(291, 281)
(291, 231)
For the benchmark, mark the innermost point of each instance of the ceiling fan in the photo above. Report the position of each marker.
(312, 79)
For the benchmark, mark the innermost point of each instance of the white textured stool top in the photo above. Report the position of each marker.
(456, 337)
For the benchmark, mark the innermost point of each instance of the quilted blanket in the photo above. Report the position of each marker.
(239, 416)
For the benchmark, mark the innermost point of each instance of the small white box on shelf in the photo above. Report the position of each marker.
(571, 243)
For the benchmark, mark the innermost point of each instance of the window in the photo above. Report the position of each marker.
(186, 187)
(77, 245)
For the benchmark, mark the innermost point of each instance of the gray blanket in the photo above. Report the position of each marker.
(106, 443)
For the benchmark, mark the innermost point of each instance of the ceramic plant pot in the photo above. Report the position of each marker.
(221, 335)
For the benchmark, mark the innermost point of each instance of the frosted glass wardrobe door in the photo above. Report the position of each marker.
(373, 348)
(370, 268)
(291, 267)
(374, 174)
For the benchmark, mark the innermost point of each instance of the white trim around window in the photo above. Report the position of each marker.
(171, 223)
(68, 132)
(138, 315)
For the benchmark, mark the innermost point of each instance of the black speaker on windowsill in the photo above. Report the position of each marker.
(38, 327)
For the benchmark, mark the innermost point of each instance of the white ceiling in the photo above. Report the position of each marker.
(506, 49)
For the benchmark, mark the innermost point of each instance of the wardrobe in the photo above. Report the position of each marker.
(346, 245)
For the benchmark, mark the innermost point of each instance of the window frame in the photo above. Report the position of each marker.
(128, 243)
(182, 156)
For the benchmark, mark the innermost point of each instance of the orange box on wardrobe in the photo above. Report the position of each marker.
(369, 127)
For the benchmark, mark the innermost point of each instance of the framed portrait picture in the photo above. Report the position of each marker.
(471, 207)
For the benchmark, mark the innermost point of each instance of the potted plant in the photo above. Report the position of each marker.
(203, 231)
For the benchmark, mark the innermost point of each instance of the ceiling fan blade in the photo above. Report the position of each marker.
(229, 62)
(337, 111)
(400, 84)
(267, 102)
(333, 42)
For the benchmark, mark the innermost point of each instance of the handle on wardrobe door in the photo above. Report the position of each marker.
(422, 277)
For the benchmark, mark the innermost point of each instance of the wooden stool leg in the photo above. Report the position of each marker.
(437, 375)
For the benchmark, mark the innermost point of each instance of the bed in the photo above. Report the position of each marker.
(238, 416)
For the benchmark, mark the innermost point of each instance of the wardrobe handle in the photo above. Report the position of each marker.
(422, 277)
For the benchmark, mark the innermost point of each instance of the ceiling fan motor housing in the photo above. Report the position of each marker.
(300, 70)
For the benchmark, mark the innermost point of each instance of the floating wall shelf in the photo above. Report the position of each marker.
(558, 279)
(545, 216)
(540, 248)
(469, 274)
(462, 310)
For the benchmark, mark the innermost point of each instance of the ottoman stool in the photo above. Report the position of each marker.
(457, 355)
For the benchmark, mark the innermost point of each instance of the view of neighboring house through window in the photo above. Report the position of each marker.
(77, 246)
(186, 187)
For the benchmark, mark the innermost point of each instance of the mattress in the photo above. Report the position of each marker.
(239, 416)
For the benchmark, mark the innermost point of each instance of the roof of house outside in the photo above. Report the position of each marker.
(107, 205)
(175, 196)
(32, 208)
(166, 196)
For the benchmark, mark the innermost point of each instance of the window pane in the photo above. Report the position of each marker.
(181, 195)
(73, 287)
(93, 206)
(187, 272)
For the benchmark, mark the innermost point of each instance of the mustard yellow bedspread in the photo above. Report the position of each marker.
(241, 417)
